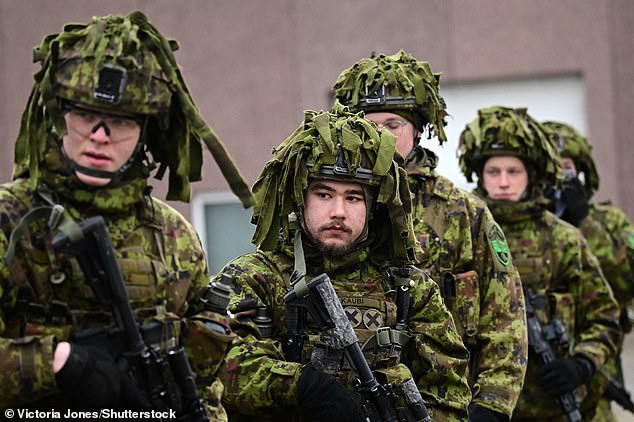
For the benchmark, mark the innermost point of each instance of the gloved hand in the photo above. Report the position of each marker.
(323, 398)
(482, 414)
(565, 374)
(575, 202)
(91, 379)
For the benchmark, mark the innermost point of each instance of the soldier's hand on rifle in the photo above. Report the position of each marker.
(323, 398)
(91, 379)
(565, 374)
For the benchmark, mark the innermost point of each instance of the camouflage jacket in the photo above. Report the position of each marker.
(611, 238)
(555, 261)
(45, 297)
(259, 380)
(466, 253)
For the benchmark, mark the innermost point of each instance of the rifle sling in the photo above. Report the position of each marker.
(387, 337)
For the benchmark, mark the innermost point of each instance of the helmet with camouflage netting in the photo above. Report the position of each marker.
(340, 146)
(574, 145)
(510, 131)
(398, 84)
(121, 64)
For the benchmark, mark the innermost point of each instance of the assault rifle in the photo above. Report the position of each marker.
(318, 297)
(166, 384)
(539, 339)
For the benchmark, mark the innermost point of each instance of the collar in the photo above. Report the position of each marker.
(104, 199)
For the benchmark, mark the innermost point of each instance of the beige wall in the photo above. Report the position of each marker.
(254, 65)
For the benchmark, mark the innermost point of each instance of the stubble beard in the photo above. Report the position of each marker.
(333, 249)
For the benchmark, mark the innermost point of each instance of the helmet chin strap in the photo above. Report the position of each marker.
(413, 153)
(113, 176)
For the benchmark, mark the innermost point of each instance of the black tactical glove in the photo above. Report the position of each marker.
(323, 398)
(91, 379)
(565, 374)
(482, 414)
(575, 202)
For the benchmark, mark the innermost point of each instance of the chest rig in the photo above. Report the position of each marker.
(53, 296)
(533, 258)
(379, 319)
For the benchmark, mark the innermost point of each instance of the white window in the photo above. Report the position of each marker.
(554, 98)
(224, 227)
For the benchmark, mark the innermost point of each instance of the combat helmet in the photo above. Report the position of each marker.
(510, 131)
(121, 63)
(398, 84)
(574, 145)
(341, 146)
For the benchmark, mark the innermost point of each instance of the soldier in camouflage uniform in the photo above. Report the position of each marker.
(464, 248)
(514, 160)
(334, 200)
(108, 105)
(607, 229)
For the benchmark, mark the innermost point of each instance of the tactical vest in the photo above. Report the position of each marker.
(55, 299)
(531, 243)
(373, 316)
(535, 263)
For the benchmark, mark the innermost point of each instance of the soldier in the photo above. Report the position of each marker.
(108, 106)
(514, 159)
(333, 200)
(464, 248)
(607, 229)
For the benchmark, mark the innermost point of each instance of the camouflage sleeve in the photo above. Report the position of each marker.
(256, 376)
(604, 250)
(621, 233)
(26, 362)
(206, 334)
(439, 367)
(500, 351)
(596, 312)
(27, 369)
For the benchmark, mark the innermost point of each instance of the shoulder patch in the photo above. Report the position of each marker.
(499, 246)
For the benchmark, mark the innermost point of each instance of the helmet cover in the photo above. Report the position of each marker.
(399, 84)
(340, 146)
(574, 145)
(121, 63)
(509, 131)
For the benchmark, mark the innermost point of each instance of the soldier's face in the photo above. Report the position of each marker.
(99, 140)
(400, 127)
(505, 178)
(335, 215)
(569, 164)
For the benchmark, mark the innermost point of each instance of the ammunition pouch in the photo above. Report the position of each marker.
(462, 295)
